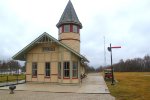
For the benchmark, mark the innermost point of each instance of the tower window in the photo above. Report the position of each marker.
(60, 30)
(69, 28)
(66, 28)
(75, 28)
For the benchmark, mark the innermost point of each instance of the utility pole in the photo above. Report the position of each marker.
(104, 53)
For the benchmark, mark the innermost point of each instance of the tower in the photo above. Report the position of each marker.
(69, 28)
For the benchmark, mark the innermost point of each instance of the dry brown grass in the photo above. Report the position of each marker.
(131, 86)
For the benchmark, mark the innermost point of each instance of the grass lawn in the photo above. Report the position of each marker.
(131, 86)
(3, 78)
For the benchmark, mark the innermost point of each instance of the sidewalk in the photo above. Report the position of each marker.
(94, 84)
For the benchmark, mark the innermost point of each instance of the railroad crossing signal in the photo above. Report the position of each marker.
(110, 50)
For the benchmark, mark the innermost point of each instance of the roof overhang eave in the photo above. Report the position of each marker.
(69, 22)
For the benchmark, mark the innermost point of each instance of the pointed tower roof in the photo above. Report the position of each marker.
(69, 16)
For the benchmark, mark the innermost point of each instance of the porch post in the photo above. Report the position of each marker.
(79, 71)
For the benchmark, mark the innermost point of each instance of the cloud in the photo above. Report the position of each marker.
(122, 22)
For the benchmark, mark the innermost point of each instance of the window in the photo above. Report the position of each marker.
(66, 69)
(69, 28)
(47, 69)
(46, 49)
(60, 30)
(75, 70)
(59, 69)
(78, 30)
(66, 28)
(34, 69)
(75, 28)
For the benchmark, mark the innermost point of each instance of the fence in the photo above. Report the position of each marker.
(11, 77)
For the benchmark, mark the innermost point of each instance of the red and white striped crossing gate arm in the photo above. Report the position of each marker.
(116, 47)
(113, 47)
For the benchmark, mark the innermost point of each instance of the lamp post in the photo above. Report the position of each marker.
(112, 70)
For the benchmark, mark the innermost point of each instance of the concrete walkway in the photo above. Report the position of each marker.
(93, 84)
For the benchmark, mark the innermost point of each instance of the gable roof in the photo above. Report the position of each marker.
(21, 54)
(69, 16)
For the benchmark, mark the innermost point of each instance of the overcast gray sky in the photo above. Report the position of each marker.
(123, 22)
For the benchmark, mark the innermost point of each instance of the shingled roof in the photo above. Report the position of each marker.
(69, 16)
(21, 54)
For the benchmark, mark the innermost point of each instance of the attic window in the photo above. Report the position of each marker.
(46, 49)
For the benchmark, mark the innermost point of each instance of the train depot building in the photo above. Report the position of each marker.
(56, 61)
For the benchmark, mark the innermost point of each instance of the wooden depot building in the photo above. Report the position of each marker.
(51, 60)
